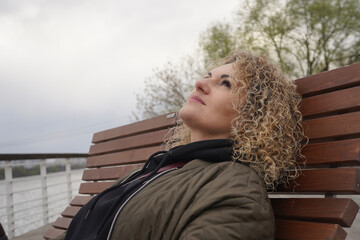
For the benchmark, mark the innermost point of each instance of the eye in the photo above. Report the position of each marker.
(226, 83)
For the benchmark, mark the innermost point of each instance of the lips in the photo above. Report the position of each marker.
(195, 98)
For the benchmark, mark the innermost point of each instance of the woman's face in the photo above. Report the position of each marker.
(207, 112)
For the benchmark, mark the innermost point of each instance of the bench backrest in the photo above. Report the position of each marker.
(331, 110)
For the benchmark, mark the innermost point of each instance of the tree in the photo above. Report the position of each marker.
(304, 36)
(167, 89)
(216, 42)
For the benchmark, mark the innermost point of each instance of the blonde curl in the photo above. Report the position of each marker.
(266, 129)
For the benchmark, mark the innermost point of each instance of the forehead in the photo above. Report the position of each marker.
(223, 69)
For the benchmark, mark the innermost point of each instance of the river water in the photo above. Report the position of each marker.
(27, 198)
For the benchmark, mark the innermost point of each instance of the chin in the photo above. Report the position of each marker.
(186, 113)
(181, 112)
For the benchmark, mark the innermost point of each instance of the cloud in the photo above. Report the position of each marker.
(65, 64)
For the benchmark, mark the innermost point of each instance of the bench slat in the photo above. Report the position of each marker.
(331, 180)
(334, 79)
(125, 157)
(138, 141)
(347, 99)
(62, 223)
(333, 126)
(53, 233)
(94, 187)
(316, 153)
(331, 210)
(295, 229)
(333, 152)
(108, 173)
(298, 230)
(70, 211)
(80, 200)
(340, 180)
(163, 121)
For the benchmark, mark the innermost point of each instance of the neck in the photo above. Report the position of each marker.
(200, 136)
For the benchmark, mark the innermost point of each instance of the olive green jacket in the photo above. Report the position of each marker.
(202, 200)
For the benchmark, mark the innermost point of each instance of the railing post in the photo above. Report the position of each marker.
(68, 179)
(44, 191)
(9, 199)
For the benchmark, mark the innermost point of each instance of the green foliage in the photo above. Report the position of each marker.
(55, 168)
(217, 42)
(21, 171)
(304, 36)
(77, 166)
(61, 168)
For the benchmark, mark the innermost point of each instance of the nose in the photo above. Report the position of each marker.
(202, 85)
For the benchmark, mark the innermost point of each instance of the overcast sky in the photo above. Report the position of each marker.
(69, 68)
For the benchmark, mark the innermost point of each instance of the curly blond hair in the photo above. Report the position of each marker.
(266, 129)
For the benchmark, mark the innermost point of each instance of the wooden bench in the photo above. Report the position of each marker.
(331, 110)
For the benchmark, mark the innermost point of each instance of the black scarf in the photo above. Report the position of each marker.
(93, 222)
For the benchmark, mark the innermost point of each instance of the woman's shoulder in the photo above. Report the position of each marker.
(235, 177)
(231, 185)
(228, 170)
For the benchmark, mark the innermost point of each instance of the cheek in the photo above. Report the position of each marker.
(228, 113)
(229, 116)
(227, 105)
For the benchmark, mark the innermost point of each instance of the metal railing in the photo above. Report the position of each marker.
(34, 201)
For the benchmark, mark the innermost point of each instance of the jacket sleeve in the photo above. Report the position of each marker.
(237, 218)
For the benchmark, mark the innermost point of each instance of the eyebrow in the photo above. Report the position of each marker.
(222, 76)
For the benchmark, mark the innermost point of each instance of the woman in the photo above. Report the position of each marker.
(240, 134)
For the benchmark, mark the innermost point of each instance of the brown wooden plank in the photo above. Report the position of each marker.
(62, 223)
(163, 121)
(80, 200)
(142, 140)
(334, 79)
(341, 211)
(333, 126)
(299, 230)
(340, 180)
(70, 211)
(125, 157)
(335, 152)
(53, 233)
(112, 173)
(94, 187)
(331, 180)
(348, 99)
